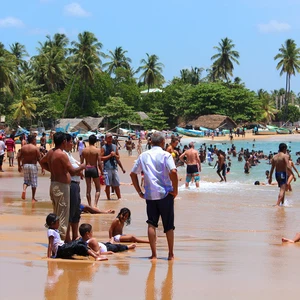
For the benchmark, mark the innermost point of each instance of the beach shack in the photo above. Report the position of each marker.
(94, 123)
(71, 125)
(213, 122)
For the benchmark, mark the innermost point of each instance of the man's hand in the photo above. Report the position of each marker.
(112, 153)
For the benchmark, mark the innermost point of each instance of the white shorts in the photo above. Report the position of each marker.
(117, 238)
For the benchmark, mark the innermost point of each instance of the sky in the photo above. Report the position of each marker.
(181, 33)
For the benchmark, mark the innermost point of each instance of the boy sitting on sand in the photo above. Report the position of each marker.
(58, 249)
(86, 233)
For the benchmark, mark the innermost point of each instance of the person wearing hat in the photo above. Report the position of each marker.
(2, 152)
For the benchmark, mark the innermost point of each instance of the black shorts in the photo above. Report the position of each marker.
(1, 159)
(163, 208)
(191, 169)
(91, 172)
(67, 250)
(74, 202)
(116, 247)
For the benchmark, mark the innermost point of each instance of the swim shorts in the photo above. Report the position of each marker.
(30, 174)
(10, 154)
(192, 171)
(281, 178)
(91, 172)
(117, 238)
(223, 169)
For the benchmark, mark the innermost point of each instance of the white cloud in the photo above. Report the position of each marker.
(74, 9)
(273, 26)
(11, 22)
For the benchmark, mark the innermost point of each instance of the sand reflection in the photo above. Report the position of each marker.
(64, 278)
(166, 290)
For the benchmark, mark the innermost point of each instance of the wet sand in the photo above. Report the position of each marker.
(227, 246)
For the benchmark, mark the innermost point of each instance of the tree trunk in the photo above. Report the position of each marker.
(68, 99)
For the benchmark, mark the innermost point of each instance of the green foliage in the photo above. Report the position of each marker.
(117, 111)
(156, 120)
(292, 114)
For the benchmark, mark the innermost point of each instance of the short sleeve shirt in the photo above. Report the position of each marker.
(10, 144)
(156, 165)
(57, 240)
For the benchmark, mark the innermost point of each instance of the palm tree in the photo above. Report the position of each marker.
(7, 71)
(191, 76)
(19, 51)
(223, 60)
(25, 104)
(118, 59)
(152, 70)
(289, 63)
(50, 65)
(267, 106)
(85, 61)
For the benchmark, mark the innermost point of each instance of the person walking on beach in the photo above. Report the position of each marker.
(2, 152)
(110, 157)
(193, 167)
(221, 165)
(291, 176)
(92, 157)
(161, 188)
(280, 162)
(11, 149)
(28, 157)
(57, 163)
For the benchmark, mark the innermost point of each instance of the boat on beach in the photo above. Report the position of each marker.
(283, 131)
(266, 131)
(190, 132)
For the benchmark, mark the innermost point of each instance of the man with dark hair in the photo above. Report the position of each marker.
(11, 149)
(92, 157)
(280, 162)
(161, 188)
(58, 164)
(28, 157)
(111, 159)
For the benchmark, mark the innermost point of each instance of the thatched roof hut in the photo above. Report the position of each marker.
(213, 122)
(143, 115)
(72, 125)
(93, 123)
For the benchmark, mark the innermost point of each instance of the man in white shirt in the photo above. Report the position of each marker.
(161, 188)
(2, 152)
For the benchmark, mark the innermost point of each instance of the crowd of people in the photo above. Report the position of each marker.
(158, 167)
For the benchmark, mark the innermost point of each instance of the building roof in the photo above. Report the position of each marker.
(156, 90)
(213, 122)
(143, 115)
(72, 124)
(93, 123)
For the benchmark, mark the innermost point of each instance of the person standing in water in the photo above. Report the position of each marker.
(193, 167)
(280, 162)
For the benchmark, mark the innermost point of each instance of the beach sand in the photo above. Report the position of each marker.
(227, 246)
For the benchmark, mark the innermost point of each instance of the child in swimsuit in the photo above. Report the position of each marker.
(116, 228)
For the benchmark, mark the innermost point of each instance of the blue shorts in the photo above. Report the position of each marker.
(281, 178)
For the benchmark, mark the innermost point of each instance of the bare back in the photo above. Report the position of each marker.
(91, 155)
(29, 154)
(116, 228)
(192, 157)
(281, 162)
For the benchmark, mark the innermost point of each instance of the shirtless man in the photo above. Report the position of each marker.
(280, 162)
(221, 165)
(193, 165)
(43, 140)
(28, 157)
(58, 164)
(92, 157)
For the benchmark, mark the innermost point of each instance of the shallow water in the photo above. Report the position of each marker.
(227, 243)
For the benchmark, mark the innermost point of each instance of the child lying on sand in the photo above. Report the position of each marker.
(86, 233)
(58, 249)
